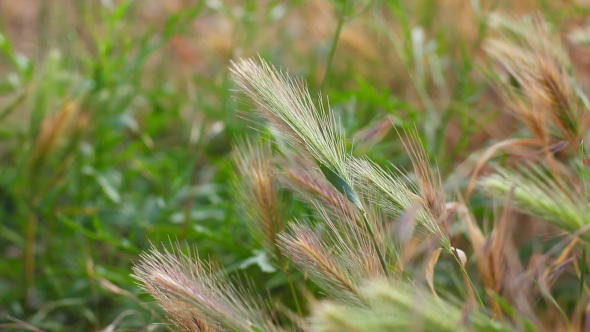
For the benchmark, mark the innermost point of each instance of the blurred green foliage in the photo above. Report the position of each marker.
(107, 144)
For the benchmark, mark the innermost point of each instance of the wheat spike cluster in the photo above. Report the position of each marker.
(387, 249)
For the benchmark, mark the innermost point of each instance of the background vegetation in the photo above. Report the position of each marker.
(118, 122)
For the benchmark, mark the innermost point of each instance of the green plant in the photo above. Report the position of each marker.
(359, 258)
(355, 244)
(412, 200)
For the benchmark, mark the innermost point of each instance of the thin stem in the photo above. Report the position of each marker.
(285, 264)
(292, 286)
(471, 290)
(462, 210)
(375, 244)
(335, 41)
(30, 255)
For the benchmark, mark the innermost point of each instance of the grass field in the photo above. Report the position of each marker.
(352, 165)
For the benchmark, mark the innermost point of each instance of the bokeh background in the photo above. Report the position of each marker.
(117, 119)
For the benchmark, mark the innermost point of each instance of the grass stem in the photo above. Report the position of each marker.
(376, 245)
(335, 40)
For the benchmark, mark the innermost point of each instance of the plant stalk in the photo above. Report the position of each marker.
(376, 245)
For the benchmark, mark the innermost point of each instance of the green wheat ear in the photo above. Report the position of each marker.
(535, 192)
(311, 132)
(392, 307)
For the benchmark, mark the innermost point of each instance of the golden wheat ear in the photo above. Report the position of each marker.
(255, 190)
(196, 297)
(540, 88)
(338, 254)
(313, 256)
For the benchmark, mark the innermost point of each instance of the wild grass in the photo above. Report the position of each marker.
(393, 307)
(339, 255)
(196, 297)
(533, 191)
(438, 182)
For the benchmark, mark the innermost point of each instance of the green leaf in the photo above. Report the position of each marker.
(339, 183)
